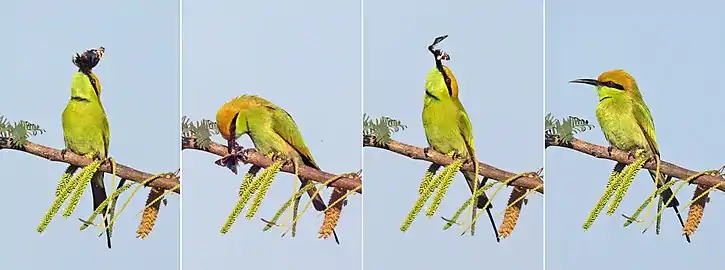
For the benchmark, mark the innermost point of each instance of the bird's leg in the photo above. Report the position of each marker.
(454, 154)
(277, 156)
(609, 150)
(63, 152)
(636, 152)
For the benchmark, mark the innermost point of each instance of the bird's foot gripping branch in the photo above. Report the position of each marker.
(197, 136)
(377, 134)
(560, 133)
(14, 136)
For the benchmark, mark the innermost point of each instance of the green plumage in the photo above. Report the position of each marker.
(273, 130)
(626, 121)
(85, 129)
(447, 126)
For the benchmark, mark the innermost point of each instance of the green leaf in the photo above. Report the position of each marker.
(381, 128)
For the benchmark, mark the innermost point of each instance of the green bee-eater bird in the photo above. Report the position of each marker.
(627, 122)
(272, 130)
(85, 126)
(446, 123)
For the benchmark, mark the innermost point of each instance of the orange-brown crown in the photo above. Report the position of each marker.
(224, 120)
(225, 115)
(620, 77)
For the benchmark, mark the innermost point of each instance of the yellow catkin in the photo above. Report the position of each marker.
(295, 211)
(446, 180)
(626, 179)
(58, 202)
(295, 198)
(612, 185)
(98, 210)
(697, 208)
(418, 206)
(647, 202)
(248, 178)
(241, 203)
(659, 217)
(464, 206)
(266, 182)
(87, 175)
(428, 178)
(332, 213)
(150, 213)
(64, 180)
(512, 213)
(233, 216)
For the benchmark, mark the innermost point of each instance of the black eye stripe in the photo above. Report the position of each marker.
(612, 84)
(233, 126)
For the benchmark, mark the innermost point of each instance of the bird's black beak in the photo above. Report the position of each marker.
(586, 81)
(231, 143)
(432, 47)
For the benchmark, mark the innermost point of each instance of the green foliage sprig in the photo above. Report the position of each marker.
(381, 128)
(18, 132)
(201, 130)
(565, 128)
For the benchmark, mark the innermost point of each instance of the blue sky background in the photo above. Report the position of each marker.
(304, 57)
(497, 57)
(675, 53)
(139, 75)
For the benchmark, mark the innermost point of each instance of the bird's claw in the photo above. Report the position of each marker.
(641, 152)
(609, 150)
(63, 152)
(425, 152)
(633, 153)
(276, 156)
(455, 154)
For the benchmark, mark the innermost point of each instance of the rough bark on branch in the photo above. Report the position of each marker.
(486, 170)
(603, 152)
(251, 156)
(165, 183)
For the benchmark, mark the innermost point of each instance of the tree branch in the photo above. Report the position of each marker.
(125, 172)
(251, 156)
(486, 170)
(617, 155)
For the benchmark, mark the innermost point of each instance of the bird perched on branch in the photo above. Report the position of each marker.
(272, 130)
(627, 123)
(85, 126)
(446, 123)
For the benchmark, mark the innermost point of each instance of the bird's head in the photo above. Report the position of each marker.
(85, 62)
(231, 120)
(440, 79)
(612, 83)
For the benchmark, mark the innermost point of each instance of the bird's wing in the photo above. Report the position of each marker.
(464, 126)
(645, 122)
(106, 133)
(286, 128)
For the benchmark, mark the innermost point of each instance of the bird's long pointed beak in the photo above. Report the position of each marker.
(231, 142)
(586, 81)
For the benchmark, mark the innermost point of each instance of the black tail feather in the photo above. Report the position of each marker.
(99, 195)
